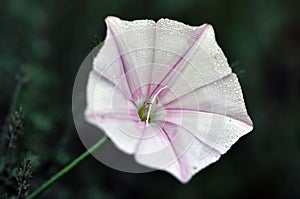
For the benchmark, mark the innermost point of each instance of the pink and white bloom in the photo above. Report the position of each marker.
(164, 92)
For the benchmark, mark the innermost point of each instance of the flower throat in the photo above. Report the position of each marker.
(147, 111)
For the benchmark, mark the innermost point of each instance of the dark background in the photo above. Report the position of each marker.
(51, 38)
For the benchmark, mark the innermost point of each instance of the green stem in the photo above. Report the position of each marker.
(66, 169)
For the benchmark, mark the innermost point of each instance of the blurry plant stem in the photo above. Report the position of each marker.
(15, 96)
(21, 80)
(66, 169)
(65, 137)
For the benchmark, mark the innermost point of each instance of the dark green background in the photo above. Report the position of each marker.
(52, 38)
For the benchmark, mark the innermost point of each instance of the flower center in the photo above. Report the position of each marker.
(150, 106)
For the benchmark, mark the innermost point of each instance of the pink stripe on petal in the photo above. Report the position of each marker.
(134, 42)
(104, 78)
(125, 65)
(222, 97)
(187, 130)
(217, 131)
(193, 91)
(182, 57)
(180, 160)
(208, 112)
(108, 116)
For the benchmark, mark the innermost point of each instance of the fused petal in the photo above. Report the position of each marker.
(216, 131)
(221, 97)
(132, 47)
(164, 92)
(180, 154)
(107, 108)
(174, 41)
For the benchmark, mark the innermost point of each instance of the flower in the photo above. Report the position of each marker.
(164, 92)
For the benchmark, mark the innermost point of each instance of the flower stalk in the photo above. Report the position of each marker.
(66, 169)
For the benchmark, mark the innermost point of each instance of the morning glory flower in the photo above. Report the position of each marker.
(164, 92)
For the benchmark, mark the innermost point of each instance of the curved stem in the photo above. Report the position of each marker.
(66, 169)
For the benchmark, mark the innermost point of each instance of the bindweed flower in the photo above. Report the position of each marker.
(164, 92)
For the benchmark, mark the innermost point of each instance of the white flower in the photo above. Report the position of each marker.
(164, 92)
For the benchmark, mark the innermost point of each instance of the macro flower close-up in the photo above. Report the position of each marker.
(181, 99)
(164, 92)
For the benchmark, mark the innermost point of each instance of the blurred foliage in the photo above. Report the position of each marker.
(22, 176)
(51, 38)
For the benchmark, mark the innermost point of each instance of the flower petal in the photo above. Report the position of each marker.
(193, 56)
(222, 97)
(133, 44)
(107, 108)
(173, 41)
(217, 131)
(199, 96)
(180, 153)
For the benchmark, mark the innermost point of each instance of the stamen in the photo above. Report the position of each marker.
(151, 103)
